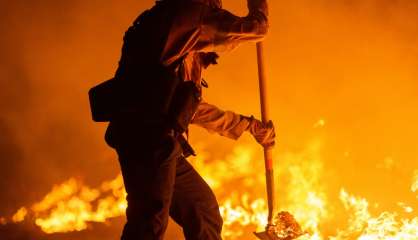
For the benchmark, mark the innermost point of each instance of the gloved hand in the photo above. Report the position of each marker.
(263, 133)
(208, 59)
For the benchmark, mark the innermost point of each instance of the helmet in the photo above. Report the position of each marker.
(212, 3)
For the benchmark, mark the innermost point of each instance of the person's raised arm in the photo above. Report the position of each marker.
(222, 30)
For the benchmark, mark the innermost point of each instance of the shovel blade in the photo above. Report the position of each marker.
(271, 236)
(266, 236)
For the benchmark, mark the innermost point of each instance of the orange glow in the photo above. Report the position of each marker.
(343, 82)
(20, 215)
(320, 123)
(414, 186)
(72, 205)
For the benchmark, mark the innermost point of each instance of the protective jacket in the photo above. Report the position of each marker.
(182, 36)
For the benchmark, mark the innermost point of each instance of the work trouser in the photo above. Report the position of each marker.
(161, 183)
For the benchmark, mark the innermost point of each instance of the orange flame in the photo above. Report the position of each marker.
(20, 215)
(71, 205)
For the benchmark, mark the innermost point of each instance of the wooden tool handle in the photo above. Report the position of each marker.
(262, 82)
(268, 152)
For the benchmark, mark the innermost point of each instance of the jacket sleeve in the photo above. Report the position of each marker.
(223, 31)
(225, 123)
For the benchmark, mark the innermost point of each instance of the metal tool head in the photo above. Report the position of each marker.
(284, 228)
(266, 236)
(270, 236)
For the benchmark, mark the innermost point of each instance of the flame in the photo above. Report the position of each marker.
(72, 205)
(20, 215)
(386, 225)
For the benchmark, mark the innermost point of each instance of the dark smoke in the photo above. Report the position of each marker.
(49, 59)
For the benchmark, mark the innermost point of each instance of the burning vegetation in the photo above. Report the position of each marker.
(352, 62)
(73, 206)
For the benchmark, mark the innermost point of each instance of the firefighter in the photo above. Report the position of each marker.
(176, 39)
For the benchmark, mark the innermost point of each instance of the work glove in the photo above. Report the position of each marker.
(263, 133)
(210, 58)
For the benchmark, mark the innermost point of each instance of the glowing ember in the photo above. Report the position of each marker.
(405, 207)
(320, 123)
(287, 227)
(414, 187)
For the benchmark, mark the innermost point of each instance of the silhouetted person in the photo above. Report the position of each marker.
(163, 55)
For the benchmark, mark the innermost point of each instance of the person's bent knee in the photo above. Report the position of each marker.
(204, 222)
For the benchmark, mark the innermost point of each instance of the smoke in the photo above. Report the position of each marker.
(52, 52)
(352, 63)
(15, 98)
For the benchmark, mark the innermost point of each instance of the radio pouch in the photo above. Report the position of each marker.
(103, 100)
(150, 94)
